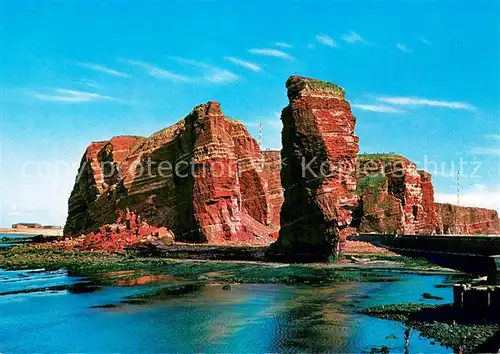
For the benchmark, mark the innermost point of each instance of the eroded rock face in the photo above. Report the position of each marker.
(86, 208)
(462, 220)
(272, 169)
(428, 219)
(395, 196)
(318, 171)
(379, 211)
(202, 178)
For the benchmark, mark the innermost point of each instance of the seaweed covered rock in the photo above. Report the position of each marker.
(318, 172)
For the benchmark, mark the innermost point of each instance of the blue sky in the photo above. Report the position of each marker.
(422, 77)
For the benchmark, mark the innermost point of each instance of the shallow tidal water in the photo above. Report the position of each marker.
(12, 237)
(247, 318)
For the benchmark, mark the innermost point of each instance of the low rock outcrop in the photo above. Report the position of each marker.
(204, 178)
(318, 172)
(128, 231)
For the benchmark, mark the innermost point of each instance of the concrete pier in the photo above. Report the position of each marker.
(478, 255)
(479, 298)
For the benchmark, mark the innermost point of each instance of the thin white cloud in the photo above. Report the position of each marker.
(243, 63)
(415, 101)
(88, 82)
(220, 76)
(377, 108)
(479, 150)
(211, 73)
(156, 71)
(493, 136)
(425, 41)
(479, 195)
(72, 96)
(271, 53)
(404, 48)
(103, 69)
(353, 37)
(326, 40)
(283, 45)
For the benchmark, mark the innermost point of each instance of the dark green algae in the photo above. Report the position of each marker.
(446, 324)
(98, 267)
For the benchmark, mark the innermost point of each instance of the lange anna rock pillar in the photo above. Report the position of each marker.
(318, 172)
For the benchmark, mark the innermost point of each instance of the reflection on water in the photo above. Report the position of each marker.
(248, 318)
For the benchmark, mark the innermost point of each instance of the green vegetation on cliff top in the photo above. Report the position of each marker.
(317, 84)
(381, 156)
(314, 84)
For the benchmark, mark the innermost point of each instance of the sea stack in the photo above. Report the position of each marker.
(318, 171)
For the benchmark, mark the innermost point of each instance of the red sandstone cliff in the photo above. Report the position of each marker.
(272, 169)
(204, 178)
(462, 220)
(428, 216)
(386, 180)
(395, 197)
(88, 206)
(318, 173)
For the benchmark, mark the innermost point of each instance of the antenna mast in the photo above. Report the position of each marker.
(260, 144)
(260, 135)
(458, 186)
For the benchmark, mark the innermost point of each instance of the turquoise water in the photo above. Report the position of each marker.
(12, 236)
(248, 318)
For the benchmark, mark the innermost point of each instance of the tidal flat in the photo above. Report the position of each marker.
(101, 267)
(317, 307)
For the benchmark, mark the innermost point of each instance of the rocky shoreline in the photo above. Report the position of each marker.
(90, 263)
(464, 332)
